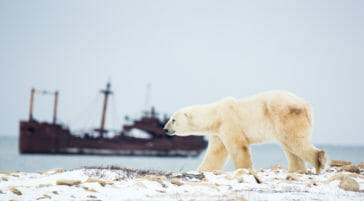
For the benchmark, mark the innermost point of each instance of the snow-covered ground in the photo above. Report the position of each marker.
(129, 184)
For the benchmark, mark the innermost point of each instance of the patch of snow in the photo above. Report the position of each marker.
(129, 184)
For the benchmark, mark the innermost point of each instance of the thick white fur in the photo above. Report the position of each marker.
(235, 124)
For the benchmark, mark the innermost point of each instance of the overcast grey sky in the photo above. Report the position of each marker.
(192, 52)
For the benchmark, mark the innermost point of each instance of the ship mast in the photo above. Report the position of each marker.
(31, 104)
(55, 107)
(44, 92)
(106, 93)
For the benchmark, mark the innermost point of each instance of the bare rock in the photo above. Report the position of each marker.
(68, 182)
(260, 170)
(240, 179)
(308, 184)
(257, 179)
(45, 196)
(57, 170)
(156, 179)
(355, 175)
(335, 177)
(292, 177)
(89, 189)
(300, 172)
(311, 183)
(164, 178)
(176, 181)
(90, 180)
(52, 171)
(91, 196)
(92, 190)
(199, 176)
(339, 163)
(5, 173)
(330, 170)
(140, 184)
(350, 168)
(240, 172)
(55, 192)
(4, 178)
(310, 172)
(239, 176)
(15, 191)
(218, 172)
(228, 177)
(101, 182)
(349, 184)
(44, 185)
(238, 197)
(361, 165)
(278, 167)
(214, 186)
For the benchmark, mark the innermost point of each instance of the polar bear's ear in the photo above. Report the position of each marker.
(187, 115)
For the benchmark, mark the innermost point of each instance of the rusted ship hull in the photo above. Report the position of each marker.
(48, 138)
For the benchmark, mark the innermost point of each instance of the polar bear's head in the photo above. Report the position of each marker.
(194, 120)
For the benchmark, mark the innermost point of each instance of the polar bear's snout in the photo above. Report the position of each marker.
(167, 130)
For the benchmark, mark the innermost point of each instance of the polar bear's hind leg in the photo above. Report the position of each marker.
(303, 149)
(294, 127)
(295, 163)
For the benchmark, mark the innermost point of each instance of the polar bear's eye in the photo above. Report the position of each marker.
(173, 121)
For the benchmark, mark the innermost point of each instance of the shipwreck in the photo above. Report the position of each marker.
(37, 137)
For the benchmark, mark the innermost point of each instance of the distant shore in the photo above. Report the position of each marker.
(340, 182)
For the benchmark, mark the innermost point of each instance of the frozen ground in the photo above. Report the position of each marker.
(129, 184)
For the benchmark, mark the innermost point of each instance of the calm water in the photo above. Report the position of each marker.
(264, 156)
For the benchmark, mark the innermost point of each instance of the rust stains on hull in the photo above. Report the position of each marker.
(46, 138)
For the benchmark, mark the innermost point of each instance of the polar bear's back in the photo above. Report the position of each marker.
(268, 116)
(286, 106)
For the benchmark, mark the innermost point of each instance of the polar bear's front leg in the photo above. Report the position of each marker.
(215, 157)
(238, 148)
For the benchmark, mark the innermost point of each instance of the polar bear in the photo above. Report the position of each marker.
(235, 124)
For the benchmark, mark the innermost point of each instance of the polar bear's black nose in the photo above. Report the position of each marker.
(165, 130)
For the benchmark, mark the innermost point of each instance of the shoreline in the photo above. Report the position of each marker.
(113, 183)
